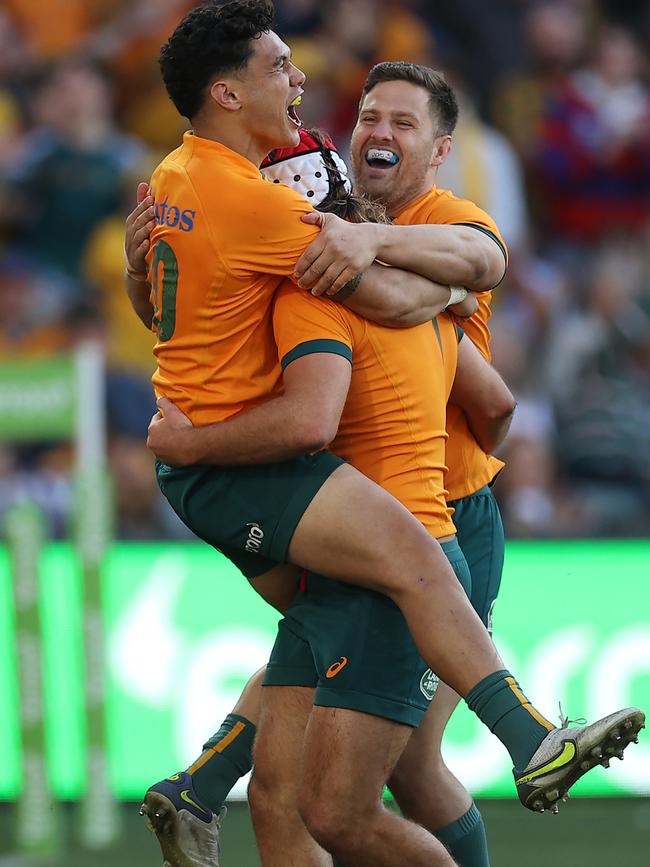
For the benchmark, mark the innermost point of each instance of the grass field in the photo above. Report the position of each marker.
(587, 833)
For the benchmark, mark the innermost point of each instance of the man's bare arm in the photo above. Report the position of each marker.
(483, 396)
(450, 254)
(458, 255)
(397, 298)
(302, 420)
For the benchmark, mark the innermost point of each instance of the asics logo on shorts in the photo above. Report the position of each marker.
(255, 536)
(335, 667)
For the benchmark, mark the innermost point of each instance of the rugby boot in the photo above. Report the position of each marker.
(187, 831)
(567, 754)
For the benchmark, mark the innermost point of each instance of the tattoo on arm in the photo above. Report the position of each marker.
(348, 288)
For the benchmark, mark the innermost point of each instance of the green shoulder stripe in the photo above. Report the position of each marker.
(436, 328)
(496, 241)
(489, 233)
(309, 347)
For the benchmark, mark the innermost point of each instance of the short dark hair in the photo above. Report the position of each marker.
(213, 39)
(442, 99)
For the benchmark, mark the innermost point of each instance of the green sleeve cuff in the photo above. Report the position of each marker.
(489, 234)
(309, 347)
(494, 238)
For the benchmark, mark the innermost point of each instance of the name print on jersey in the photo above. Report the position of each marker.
(172, 216)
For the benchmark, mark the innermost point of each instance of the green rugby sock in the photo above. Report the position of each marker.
(498, 702)
(226, 757)
(465, 838)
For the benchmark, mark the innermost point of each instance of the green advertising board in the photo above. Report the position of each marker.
(58, 398)
(37, 398)
(184, 632)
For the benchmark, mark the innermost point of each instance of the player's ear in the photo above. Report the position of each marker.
(441, 149)
(225, 96)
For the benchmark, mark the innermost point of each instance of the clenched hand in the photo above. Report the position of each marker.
(170, 436)
(341, 252)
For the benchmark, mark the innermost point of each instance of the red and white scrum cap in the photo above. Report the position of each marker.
(313, 168)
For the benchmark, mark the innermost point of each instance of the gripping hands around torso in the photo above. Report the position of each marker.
(340, 263)
(340, 253)
(139, 225)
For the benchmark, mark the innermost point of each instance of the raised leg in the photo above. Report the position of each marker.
(356, 532)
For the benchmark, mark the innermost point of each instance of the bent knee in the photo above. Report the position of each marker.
(258, 793)
(336, 826)
(416, 773)
(423, 792)
(270, 793)
(413, 565)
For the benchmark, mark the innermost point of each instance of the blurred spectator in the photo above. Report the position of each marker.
(29, 326)
(592, 151)
(357, 34)
(402, 34)
(41, 476)
(299, 18)
(555, 34)
(53, 29)
(598, 374)
(137, 494)
(527, 491)
(535, 295)
(9, 127)
(129, 45)
(14, 53)
(129, 345)
(13, 62)
(487, 37)
(67, 175)
(484, 168)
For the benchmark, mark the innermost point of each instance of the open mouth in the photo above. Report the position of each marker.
(381, 158)
(292, 114)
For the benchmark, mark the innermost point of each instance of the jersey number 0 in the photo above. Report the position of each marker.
(164, 301)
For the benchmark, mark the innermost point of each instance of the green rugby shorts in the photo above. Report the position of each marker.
(480, 535)
(249, 513)
(354, 646)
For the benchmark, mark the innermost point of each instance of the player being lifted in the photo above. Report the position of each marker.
(401, 448)
(222, 270)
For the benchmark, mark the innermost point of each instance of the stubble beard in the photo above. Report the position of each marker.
(393, 197)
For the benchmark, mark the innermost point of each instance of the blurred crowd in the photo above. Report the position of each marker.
(553, 141)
